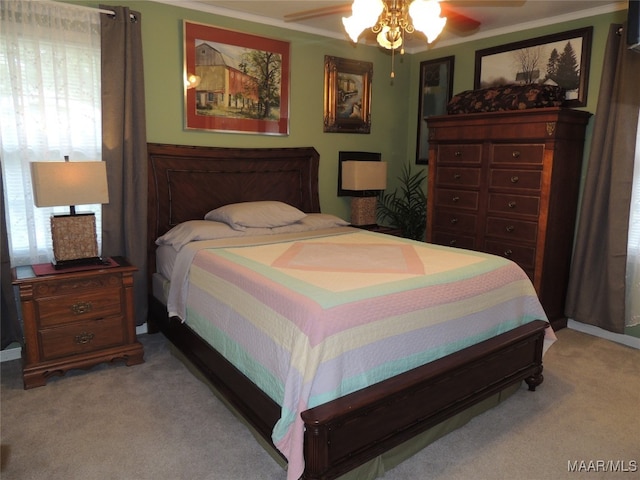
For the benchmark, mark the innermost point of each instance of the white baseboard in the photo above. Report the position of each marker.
(10, 353)
(14, 353)
(627, 340)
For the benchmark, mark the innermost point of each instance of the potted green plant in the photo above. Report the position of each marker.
(406, 208)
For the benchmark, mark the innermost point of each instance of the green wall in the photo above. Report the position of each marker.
(393, 106)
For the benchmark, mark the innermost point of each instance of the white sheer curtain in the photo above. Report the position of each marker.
(633, 248)
(50, 107)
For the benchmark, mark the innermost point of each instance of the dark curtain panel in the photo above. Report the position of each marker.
(10, 328)
(596, 293)
(124, 145)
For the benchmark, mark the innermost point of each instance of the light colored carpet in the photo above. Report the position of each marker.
(157, 421)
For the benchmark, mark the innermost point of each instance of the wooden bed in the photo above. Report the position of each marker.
(184, 184)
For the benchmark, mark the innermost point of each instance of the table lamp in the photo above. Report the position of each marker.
(74, 235)
(364, 179)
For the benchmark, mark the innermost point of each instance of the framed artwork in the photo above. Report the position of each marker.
(560, 59)
(235, 82)
(435, 90)
(347, 95)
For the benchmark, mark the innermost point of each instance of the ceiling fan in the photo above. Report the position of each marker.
(456, 21)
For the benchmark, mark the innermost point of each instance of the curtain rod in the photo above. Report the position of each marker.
(100, 10)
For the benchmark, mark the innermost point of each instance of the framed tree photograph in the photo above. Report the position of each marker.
(435, 90)
(560, 59)
(235, 82)
(347, 95)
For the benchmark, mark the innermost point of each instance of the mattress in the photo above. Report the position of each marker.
(310, 317)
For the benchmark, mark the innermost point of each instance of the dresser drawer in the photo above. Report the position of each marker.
(523, 255)
(457, 198)
(454, 240)
(517, 153)
(517, 204)
(463, 153)
(456, 221)
(83, 306)
(516, 179)
(81, 337)
(458, 176)
(516, 230)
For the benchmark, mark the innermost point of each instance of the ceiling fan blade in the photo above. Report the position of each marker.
(318, 12)
(457, 21)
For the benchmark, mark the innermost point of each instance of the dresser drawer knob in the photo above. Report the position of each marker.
(84, 338)
(81, 307)
(454, 220)
(453, 242)
(457, 176)
(515, 179)
(511, 204)
(510, 228)
(457, 154)
(508, 253)
(455, 199)
(516, 154)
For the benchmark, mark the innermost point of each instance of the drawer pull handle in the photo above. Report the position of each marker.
(455, 199)
(84, 338)
(508, 253)
(511, 204)
(453, 243)
(81, 307)
(516, 154)
(457, 154)
(510, 228)
(457, 176)
(454, 220)
(514, 179)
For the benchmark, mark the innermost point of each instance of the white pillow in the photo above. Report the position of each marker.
(264, 214)
(195, 230)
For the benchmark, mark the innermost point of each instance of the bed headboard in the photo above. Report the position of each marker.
(185, 182)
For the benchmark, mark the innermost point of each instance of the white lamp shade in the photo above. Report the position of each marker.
(362, 175)
(69, 183)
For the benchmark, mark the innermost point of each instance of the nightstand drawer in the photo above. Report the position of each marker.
(81, 337)
(72, 308)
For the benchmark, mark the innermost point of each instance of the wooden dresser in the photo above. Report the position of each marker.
(507, 183)
(76, 319)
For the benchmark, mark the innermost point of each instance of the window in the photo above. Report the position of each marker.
(50, 106)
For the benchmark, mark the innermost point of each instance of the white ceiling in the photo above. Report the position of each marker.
(496, 16)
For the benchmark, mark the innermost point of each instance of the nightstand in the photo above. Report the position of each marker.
(381, 229)
(76, 319)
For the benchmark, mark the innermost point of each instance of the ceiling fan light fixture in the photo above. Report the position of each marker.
(389, 19)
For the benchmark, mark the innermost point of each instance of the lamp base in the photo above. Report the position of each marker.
(74, 237)
(363, 211)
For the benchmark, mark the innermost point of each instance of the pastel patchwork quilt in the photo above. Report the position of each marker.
(312, 317)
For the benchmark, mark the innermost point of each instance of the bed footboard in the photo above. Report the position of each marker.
(351, 430)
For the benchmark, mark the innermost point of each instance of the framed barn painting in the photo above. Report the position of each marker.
(560, 59)
(235, 82)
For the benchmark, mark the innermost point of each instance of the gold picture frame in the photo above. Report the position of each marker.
(347, 95)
